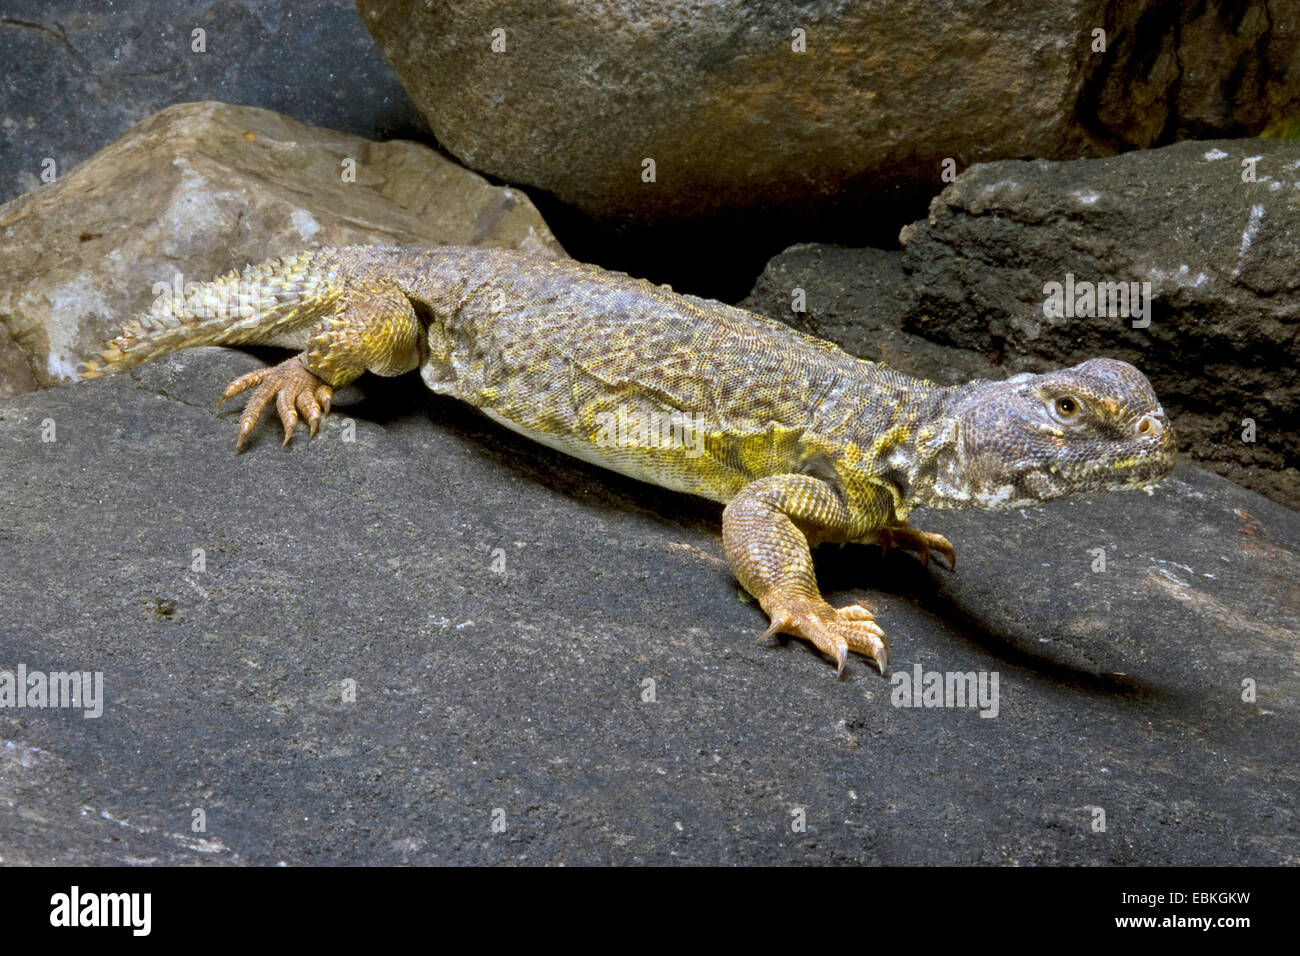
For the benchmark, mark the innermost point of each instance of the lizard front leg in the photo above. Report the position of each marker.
(900, 534)
(374, 329)
(766, 533)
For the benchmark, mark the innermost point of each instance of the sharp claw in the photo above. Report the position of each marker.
(841, 659)
(242, 384)
(778, 624)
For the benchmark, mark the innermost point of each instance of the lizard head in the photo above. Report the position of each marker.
(1032, 438)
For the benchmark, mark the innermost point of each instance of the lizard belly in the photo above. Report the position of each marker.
(680, 467)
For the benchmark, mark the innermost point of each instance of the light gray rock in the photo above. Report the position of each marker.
(201, 188)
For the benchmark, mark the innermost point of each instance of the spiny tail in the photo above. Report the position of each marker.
(256, 305)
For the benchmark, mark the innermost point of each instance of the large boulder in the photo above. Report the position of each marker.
(772, 106)
(201, 188)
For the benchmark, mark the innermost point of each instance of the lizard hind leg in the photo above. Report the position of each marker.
(374, 329)
(769, 553)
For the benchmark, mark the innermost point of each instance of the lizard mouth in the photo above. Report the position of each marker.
(1132, 470)
(1035, 480)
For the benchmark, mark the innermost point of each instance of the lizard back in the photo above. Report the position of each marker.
(687, 393)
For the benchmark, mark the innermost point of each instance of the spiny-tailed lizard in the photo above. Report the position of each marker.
(802, 442)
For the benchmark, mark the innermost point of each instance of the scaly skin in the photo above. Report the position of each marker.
(803, 443)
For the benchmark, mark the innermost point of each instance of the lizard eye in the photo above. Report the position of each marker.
(1067, 409)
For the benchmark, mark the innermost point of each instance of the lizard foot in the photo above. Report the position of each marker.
(295, 390)
(833, 631)
(909, 539)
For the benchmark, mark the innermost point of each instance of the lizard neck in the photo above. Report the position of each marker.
(935, 472)
(896, 429)
(925, 469)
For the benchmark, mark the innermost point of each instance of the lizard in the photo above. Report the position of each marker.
(801, 442)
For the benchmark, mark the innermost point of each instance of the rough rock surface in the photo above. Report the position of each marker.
(524, 691)
(1220, 254)
(207, 187)
(77, 75)
(573, 97)
(859, 299)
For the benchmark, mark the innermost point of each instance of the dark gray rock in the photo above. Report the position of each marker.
(859, 298)
(77, 75)
(1223, 344)
(373, 560)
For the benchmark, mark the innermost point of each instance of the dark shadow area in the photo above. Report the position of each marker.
(720, 258)
(856, 567)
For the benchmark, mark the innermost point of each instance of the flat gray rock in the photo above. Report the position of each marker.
(502, 610)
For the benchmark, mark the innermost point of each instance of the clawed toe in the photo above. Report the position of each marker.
(922, 543)
(832, 631)
(294, 389)
(781, 624)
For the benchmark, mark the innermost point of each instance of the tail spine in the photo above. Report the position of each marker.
(242, 307)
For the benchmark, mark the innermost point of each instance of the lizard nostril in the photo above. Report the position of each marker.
(1148, 427)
